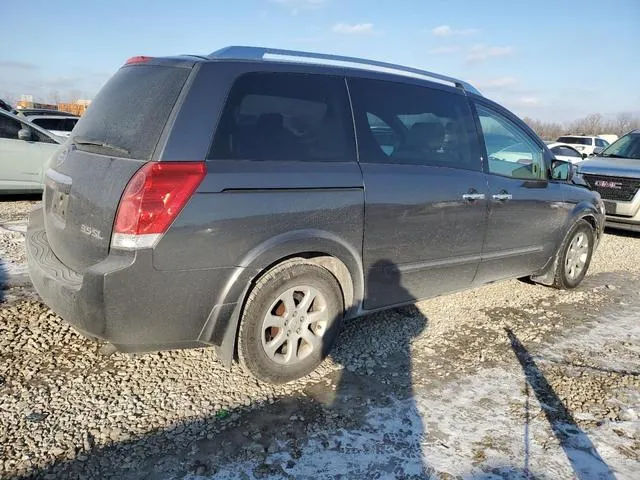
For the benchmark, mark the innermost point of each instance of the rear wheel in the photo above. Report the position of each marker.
(574, 256)
(290, 322)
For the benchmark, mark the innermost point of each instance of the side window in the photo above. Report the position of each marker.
(600, 143)
(9, 127)
(39, 137)
(69, 124)
(409, 124)
(49, 123)
(386, 137)
(511, 152)
(285, 116)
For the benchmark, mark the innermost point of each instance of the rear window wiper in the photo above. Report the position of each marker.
(99, 143)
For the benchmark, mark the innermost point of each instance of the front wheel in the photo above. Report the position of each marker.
(290, 322)
(575, 256)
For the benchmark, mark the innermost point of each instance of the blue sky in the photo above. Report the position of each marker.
(553, 60)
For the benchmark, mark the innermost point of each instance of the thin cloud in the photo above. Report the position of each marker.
(295, 6)
(354, 29)
(17, 65)
(444, 50)
(480, 53)
(528, 101)
(496, 83)
(447, 31)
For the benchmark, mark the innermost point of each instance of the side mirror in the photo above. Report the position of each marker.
(598, 150)
(561, 170)
(584, 155)
(24, 134)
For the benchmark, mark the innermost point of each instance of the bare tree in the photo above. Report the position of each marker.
(623, 123)
(54, 97)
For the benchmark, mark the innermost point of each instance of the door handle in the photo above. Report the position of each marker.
(472, 197)
(502, 196)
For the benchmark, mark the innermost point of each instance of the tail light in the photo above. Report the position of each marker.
(138, 59)
(152, 200)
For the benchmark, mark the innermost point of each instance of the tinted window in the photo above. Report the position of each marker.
(284, 116)
(600, 143)
(69, 124)
(9, 127)
(565, 151)
(131, 110)
(575, 140)
(511, 152)
(410, 124)
(50, 123)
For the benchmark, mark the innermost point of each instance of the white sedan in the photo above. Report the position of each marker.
(24, 150)
(565, 152)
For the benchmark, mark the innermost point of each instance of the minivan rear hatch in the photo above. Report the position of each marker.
(118, 134)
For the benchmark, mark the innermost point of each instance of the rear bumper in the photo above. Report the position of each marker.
(123, 299)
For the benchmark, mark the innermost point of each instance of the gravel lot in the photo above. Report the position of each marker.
(511, 380)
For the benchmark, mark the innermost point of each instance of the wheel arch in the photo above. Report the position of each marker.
(582, 211)
(317, 247)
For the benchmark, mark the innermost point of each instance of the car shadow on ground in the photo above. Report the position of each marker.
(323, 431)
(360, 421)
(622, 233)
(25, 197)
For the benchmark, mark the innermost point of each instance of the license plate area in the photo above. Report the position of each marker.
(59, 203)
(57, 196)
(610, 207)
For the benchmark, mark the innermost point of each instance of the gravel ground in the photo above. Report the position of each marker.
(427, 386)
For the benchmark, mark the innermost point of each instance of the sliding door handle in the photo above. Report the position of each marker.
(502, 197)
(472, 197)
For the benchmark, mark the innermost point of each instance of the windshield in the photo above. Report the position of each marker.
(625, 147)
(575, 140)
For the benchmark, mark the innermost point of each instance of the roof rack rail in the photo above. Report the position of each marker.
(275, 54)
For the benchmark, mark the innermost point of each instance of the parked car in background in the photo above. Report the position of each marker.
(5, 106)
(58, 125)
(29, 112)
(608, 137)
(615, 175)
(229, 207)
(584, 143)
(565, 152)
(24, 150)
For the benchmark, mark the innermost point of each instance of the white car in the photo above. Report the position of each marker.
(58, 125)
(565, 152)
(24, 150)
(584, 143)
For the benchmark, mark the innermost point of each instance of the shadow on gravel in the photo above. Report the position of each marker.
(359, 422)
(622, 233)
(4, 279)
(28, 197)
(585, 460)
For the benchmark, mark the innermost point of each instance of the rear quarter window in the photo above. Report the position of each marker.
(131, 110)
(286, 117)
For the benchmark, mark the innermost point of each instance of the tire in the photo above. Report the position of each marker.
(574, 256)
(290, 322)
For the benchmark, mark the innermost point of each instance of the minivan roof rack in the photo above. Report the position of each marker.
(276, 54)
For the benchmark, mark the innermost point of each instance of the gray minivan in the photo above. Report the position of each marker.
(252, 199)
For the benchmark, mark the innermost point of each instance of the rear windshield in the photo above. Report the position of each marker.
(60, 123)
(130, 111)
(575, 140)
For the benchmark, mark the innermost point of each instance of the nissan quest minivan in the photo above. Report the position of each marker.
(253, 199)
